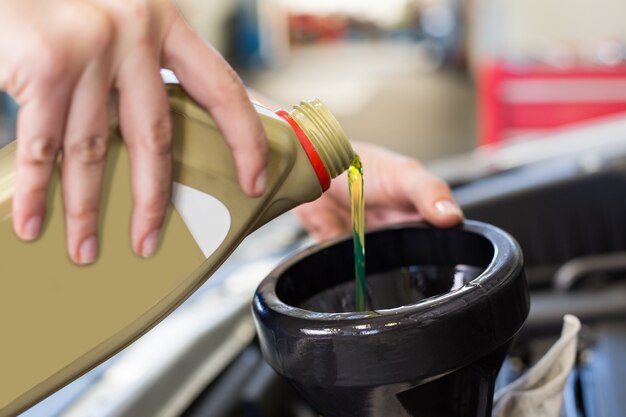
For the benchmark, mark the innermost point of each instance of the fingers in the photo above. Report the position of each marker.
(399, 188)
(84, 155)
(146, 127)
(432, 197)
(40, 128)
(213, 83)
(324, 219)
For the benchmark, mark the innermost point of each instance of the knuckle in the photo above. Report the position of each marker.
(30, 195)
(89, 151)
(158, 139)
(92, 28)
(411, 165)
(252, 148)
(232, 78)
(53, 63)
(259, 143)
(230, 89)
(101, 33)
(153, 208)
(438, 184)
(250, 153)
(82, 213)
(140, 9)
(39, 151)
(137, 11)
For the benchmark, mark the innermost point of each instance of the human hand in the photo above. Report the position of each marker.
(397, 189)
(60, 60)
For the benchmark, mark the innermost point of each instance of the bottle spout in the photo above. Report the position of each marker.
(325, 134)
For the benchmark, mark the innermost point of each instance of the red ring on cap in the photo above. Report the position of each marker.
(309, 149)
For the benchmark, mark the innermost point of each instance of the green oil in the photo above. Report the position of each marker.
(357, 210)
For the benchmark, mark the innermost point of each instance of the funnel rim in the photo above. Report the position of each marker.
(506, 252)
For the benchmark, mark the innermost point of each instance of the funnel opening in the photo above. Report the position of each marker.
(403, 268)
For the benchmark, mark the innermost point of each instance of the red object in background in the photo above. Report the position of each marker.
(514, 100)
(306, 28)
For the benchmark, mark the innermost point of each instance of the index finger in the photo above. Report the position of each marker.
(209, 79)
(40, 128)
(433, 198)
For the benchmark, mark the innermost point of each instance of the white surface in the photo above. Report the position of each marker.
(207, 218)
(265, 111)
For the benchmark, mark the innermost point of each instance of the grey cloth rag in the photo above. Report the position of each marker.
(539, 392)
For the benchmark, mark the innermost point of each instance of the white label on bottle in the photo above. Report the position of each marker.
(206, 217)
(265, 111)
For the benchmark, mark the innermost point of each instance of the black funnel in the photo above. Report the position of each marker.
(446, 305)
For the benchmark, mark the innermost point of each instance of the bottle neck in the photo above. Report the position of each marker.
(324, 140)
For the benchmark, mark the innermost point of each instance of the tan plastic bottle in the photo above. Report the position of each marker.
(58, 320)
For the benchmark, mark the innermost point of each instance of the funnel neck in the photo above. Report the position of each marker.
(322, 137)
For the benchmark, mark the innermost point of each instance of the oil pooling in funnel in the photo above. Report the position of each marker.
(357, 210)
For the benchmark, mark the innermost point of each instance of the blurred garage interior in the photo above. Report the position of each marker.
(519, 104)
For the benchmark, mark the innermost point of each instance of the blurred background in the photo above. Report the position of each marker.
(392, 72)
(519, 104)
(429, 78)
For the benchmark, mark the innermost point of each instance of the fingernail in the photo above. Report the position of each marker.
(88, 251)
(448, 208)
(150, 244)
(32, 228)
(261, 183)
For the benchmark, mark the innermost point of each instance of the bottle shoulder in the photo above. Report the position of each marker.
(279, 134)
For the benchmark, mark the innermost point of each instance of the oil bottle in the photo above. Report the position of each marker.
(57, 320)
